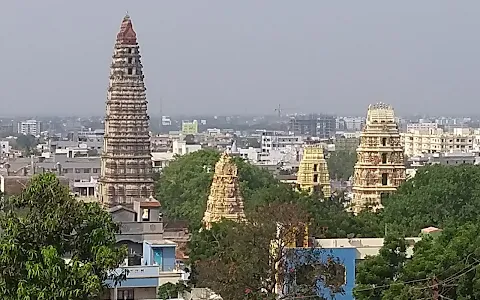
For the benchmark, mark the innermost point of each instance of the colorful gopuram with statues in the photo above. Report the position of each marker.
(380, 166)
(126, 166)
(313, 173)
(225, 200)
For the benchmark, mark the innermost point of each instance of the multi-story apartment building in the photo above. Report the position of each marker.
(4, 148)
(190, 127)
(77, 146)
(151, 259)
(6, 128)
(460, 140)
(274, 140)
(421, 126)
(30, 127)
(353, 123)
(161, 143)
(315, 125)
(75, 169)
(183, 147)
(435, 140)
(418, 141)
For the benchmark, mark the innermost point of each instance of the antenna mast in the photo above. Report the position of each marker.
(161, 114)
(279, 111)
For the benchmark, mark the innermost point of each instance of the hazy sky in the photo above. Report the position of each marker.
(245, 56)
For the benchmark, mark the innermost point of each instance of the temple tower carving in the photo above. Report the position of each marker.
(313, 171)
(380, 166)
(126, 167)
(225, 200)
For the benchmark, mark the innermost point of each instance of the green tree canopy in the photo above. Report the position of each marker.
(437, 196)
(42, 227)
(376, 273)
(26, 143)
(172, 291)
(448, 262)
(239, 261)
(341, 164)
(184, 185)
(332, 220)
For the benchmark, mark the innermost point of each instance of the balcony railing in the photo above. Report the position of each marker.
(142, 228)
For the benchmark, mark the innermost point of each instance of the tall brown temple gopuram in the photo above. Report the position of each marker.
(380, 166)
(224, 200)
(126, 172)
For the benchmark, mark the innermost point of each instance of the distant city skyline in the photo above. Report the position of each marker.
(228, 58)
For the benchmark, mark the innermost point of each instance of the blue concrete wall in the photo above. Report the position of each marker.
(147, 254)
(136, 282)
(168, 256)
(168, 259)
(347, 257)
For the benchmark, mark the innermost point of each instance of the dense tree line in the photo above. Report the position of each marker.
(446, 264)
(184, 185)
(235, 257)
(447, 197)
(341, 164)
(42, 227)
(246, 260)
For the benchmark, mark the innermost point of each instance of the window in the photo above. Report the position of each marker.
(129, 71)
(125, 294)
(384, 179)
(384, 158)
(146, 215)
(130, 60)
(384, 141)
(315, 178)
(77, 170)
(315, 167)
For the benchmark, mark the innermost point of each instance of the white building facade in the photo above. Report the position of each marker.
(29, 127)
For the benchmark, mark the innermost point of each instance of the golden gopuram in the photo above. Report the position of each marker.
(380, 166)
(225, 200)
(313, 173)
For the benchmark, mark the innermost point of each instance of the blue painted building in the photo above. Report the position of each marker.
(345, 251)
(158, 266)
(159, 254)
(346, 259)
(151, 257)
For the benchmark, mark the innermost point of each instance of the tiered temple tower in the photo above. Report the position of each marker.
(380, 166)
(225, 200)
(126, 173)
(313, 171)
